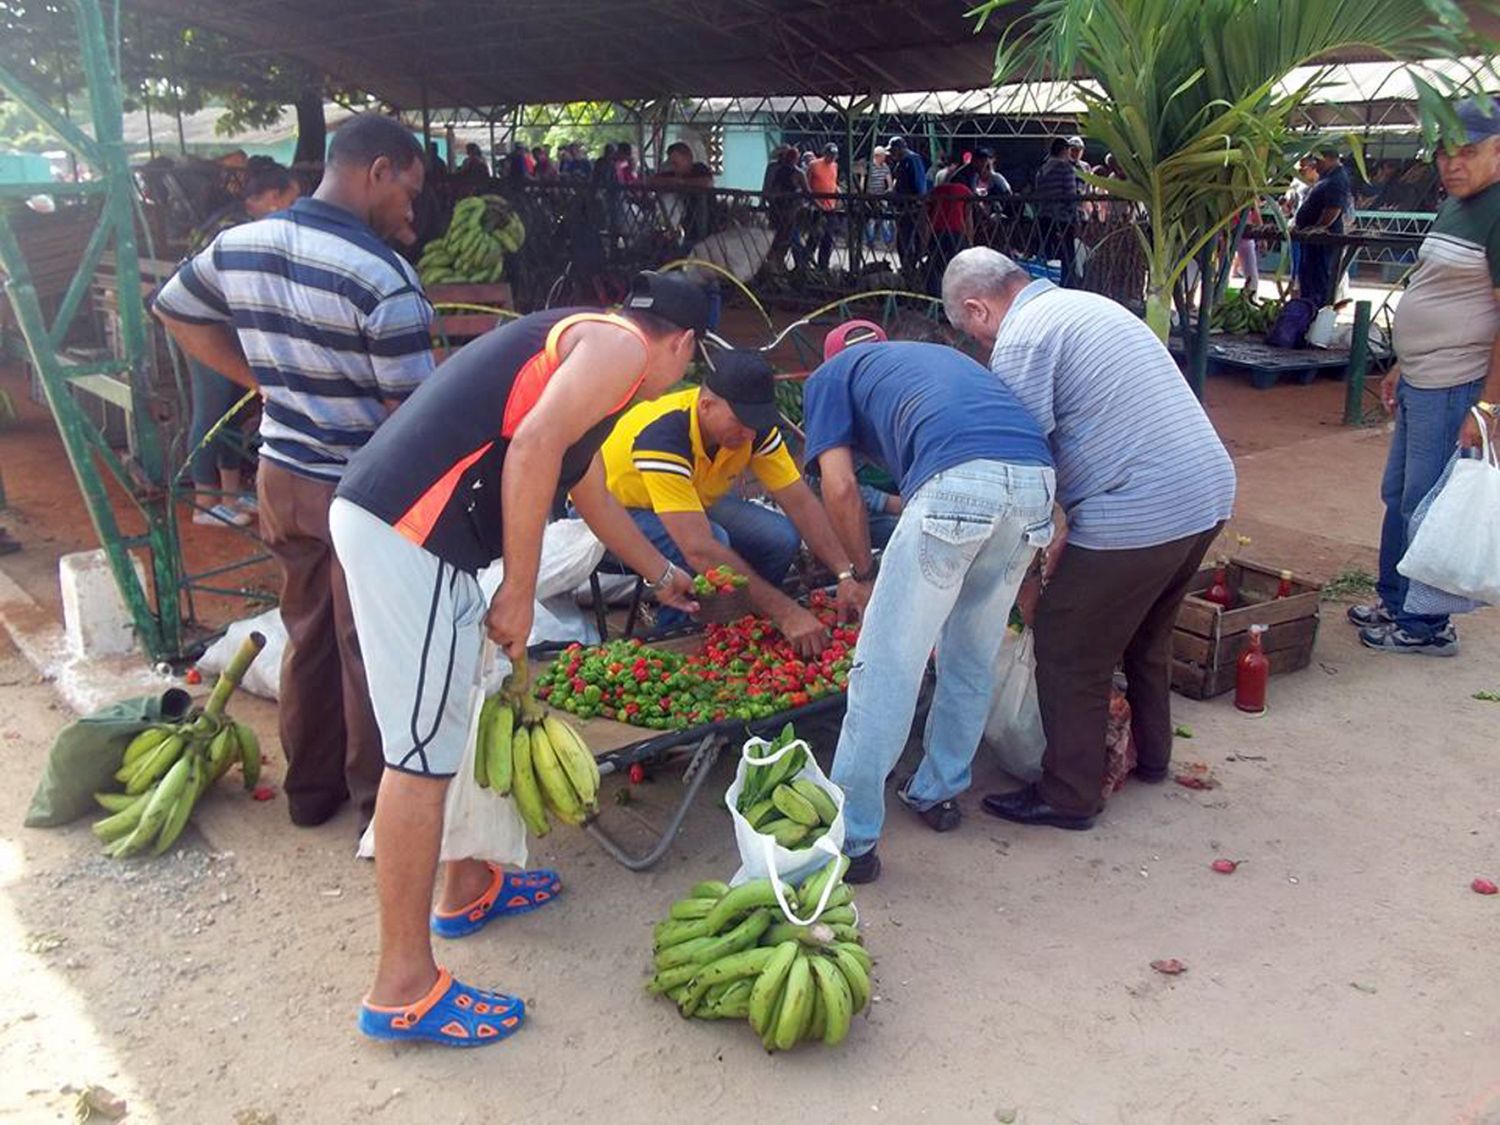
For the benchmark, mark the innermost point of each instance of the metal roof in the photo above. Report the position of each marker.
(501, 52)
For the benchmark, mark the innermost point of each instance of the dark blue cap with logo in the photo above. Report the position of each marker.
(1480, 118)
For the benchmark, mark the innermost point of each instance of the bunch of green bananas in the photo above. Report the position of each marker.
(165, 770)
(526, 752)
(1241, 312)
(777, 803)
(721, 955)
(483, 230)
(168, 766)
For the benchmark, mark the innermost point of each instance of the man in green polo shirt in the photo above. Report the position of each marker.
(1447, 339)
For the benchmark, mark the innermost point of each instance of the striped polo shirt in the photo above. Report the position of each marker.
(1448, 317)
(333, 322)
(1138, 462)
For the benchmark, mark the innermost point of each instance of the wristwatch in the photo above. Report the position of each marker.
(1490, 408)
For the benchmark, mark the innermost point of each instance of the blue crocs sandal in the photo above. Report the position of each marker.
(510, 892)
(452, 1014)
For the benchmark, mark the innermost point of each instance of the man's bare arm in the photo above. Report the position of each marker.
(216, 346)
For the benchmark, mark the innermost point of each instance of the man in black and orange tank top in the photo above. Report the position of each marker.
(469, 471)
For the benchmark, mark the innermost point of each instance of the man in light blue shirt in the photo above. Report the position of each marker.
(1146, 486)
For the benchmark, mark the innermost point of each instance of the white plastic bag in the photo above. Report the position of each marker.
(476, 823)
(570, 552)
(1457, 548)
(1014, 727)
(263, 677)
(1320, 331)
(1420, 597)
(762, 856)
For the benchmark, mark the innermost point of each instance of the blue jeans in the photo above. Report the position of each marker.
(1427, 425)
(947, 580)
(213, 395)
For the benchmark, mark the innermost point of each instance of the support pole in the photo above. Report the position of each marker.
(158, 629)
(1359, 362)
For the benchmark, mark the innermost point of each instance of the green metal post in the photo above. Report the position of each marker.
(109, 132)
(1359, 362)
(159, 629)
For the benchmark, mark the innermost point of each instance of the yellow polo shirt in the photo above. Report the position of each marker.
(655, 458)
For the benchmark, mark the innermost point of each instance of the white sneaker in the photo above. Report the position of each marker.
(247, 503)
(219, 515)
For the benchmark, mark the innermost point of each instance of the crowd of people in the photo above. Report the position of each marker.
(1072, 477)
(387, 485)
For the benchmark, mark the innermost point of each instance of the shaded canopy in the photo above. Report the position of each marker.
(498, 52)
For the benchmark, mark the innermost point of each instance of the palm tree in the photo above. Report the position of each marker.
(1191, 97)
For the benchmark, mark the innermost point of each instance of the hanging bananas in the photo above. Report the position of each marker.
(482, 232)
(525, 752)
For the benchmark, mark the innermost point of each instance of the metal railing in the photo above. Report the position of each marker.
(584, 242)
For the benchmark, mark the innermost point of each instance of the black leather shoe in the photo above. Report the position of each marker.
(863, 868)
(308, 810)
(1025, 806)
(944, 816)
(1150, 776)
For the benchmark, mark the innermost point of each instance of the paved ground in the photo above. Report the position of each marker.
(1345, 973)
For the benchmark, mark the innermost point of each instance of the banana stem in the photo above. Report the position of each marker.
(517, 686)
(233, 673)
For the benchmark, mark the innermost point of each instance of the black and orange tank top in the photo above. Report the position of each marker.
(433, 469)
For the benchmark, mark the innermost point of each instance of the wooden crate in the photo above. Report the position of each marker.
(1209, 639)
(455, 326)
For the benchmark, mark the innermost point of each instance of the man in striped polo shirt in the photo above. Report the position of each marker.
(1146, 486)
(310, 307)
(1447, 337)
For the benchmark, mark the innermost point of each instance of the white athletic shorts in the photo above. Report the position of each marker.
(421, 633)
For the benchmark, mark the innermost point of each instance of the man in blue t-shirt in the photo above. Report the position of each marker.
(908, 184)
(1322, 210)
(976, 478)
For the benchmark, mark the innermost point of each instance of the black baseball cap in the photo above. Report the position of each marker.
(746, 382)
(672, 297)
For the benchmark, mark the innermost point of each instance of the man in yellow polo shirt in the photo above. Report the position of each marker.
(672, 463)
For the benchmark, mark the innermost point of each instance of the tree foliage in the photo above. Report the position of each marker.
(161, 61)
(1191, 97)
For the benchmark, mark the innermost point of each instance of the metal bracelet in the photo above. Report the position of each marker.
(661, 583)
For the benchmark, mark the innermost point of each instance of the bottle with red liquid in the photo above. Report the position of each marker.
(1284, 587)
(1218, 590)
(1252, 675)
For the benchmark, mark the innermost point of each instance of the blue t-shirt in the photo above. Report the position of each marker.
(917, 409)
(910, 175)
(1332, 190)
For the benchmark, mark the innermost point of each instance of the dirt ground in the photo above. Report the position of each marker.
(1345, 973)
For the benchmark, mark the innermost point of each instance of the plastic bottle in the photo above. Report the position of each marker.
(1284, 587)
(1218, 590)
(1252, 674)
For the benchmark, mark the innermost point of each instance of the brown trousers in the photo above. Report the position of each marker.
(1101, 610)
(328, 729)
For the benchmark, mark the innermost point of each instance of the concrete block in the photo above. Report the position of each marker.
(95, 617)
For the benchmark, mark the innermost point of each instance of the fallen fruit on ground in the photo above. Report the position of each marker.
(1225, 866)
(1484, 887)
(1171, 967)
